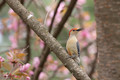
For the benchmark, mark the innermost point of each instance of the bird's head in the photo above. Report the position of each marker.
(74, 31)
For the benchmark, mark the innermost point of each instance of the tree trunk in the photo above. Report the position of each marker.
(107, 14)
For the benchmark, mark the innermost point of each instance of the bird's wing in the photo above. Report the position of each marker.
(78, 48)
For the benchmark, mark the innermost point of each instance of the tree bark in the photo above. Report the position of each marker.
(107, 14)
(50, 41)
(28, 44)
(2, 3)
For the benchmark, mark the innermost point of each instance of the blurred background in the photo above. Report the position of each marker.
(15, 35)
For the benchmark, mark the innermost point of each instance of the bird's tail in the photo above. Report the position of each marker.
(77, 60)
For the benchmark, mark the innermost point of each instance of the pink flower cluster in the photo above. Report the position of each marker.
(14, 41)
(2, 59)
(58, 15)
(36, 62)
(24, 68)
(13, 20)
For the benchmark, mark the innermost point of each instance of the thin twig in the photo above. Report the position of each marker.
(93, 66)
(28, 44)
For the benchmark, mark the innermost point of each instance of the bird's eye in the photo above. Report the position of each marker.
(73, 30)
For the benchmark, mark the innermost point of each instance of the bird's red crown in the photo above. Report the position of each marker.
(72, 30)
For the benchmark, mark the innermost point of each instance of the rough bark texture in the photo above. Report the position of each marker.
(108, 38)
(50, 41)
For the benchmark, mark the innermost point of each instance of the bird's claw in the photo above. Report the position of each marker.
(73, 56)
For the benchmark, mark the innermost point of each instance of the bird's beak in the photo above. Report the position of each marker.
(79, 29)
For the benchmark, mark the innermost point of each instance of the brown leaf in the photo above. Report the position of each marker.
(7, 66)
(21, 56)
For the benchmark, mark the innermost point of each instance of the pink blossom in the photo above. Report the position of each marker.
(42, 44)
(68, 79)
(65, 72)
(51, 14)
(42, 76)
(36, 62)
(62, 5)
(85, 43)
(10, 56)
(58, 15)
(48, 8)
(13, 41)
(92, 49)
(24, 67)
(10, 11)
(13, 20)
(14, 24)
(81, 2)
(58, 18)
(27, 78)
(16, 76)
(56, 62)
(48, 21)
(85, 34)
(87, 17)
(52, 67)
(31, 73)
(94, 35)
(86, 60)
(6, 75)
(49, 58)
(2, 59)
(10, 26)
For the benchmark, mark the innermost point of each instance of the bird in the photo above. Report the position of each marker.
(72, 45)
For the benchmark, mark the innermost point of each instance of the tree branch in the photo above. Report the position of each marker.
(46, 50)
(28, 44)
(22, 1)
(50, 41)
(2, 4)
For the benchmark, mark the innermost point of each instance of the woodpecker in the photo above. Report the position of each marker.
(72, 45)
